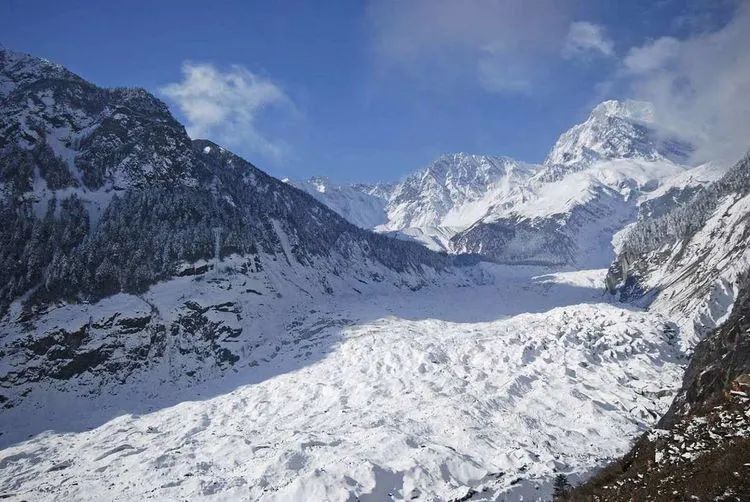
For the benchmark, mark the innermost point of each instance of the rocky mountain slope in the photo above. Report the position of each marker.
(687, 263)
(700, 450)
(103, 195)
(600, 176)
(691, 264)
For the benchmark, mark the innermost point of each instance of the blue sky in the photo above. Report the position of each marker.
(364, 91)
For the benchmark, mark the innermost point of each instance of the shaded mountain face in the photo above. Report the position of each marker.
(687, 262)
(102, 191)
(124, 242)
(600, 176)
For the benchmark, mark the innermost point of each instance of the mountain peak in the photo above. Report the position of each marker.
(320, 183)
(96, 138)
(18, 68)
(465, 165)
(615, 130)
(641, 111)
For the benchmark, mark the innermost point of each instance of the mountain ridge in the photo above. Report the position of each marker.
(103, 195)
(491, 205)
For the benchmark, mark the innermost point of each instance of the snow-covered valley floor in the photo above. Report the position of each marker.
(426, 395)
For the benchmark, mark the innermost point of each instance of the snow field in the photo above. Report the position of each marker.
(398, 397)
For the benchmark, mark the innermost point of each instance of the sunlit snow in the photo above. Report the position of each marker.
(400, 394)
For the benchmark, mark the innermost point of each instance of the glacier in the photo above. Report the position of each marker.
(439, 393)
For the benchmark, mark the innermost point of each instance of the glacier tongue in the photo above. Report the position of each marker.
(436, 393)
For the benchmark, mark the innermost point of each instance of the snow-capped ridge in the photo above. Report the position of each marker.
(17, 68)
(641, 111)
(614, 129)
(565, 211)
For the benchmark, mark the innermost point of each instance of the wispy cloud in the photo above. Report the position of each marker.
(585, 40)
(699, 85)
(652, 56)
(500, 44)
(225, 106)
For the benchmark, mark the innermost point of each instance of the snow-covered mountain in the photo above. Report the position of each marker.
(454, 191)
(363, 205)
(573, 220)
(103, 194)
(692, 264)
(688, 261)
(176, 324)
(600, 176)
(613, 130)
(431, 204)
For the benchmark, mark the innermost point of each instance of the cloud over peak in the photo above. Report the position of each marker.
(224, 106)
(586, 39)
(699, 85)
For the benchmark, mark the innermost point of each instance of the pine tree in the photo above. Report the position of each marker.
(560, 487)
(684, 221)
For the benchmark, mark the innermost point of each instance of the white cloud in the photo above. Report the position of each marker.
(501, 44)
(699, 86)
(224, 106)
(586, 39)
(653, 56)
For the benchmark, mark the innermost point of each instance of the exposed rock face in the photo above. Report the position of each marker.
(719, 365)
(701, 447)
(122, 335)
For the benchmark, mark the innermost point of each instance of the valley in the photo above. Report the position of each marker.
(177, 324)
